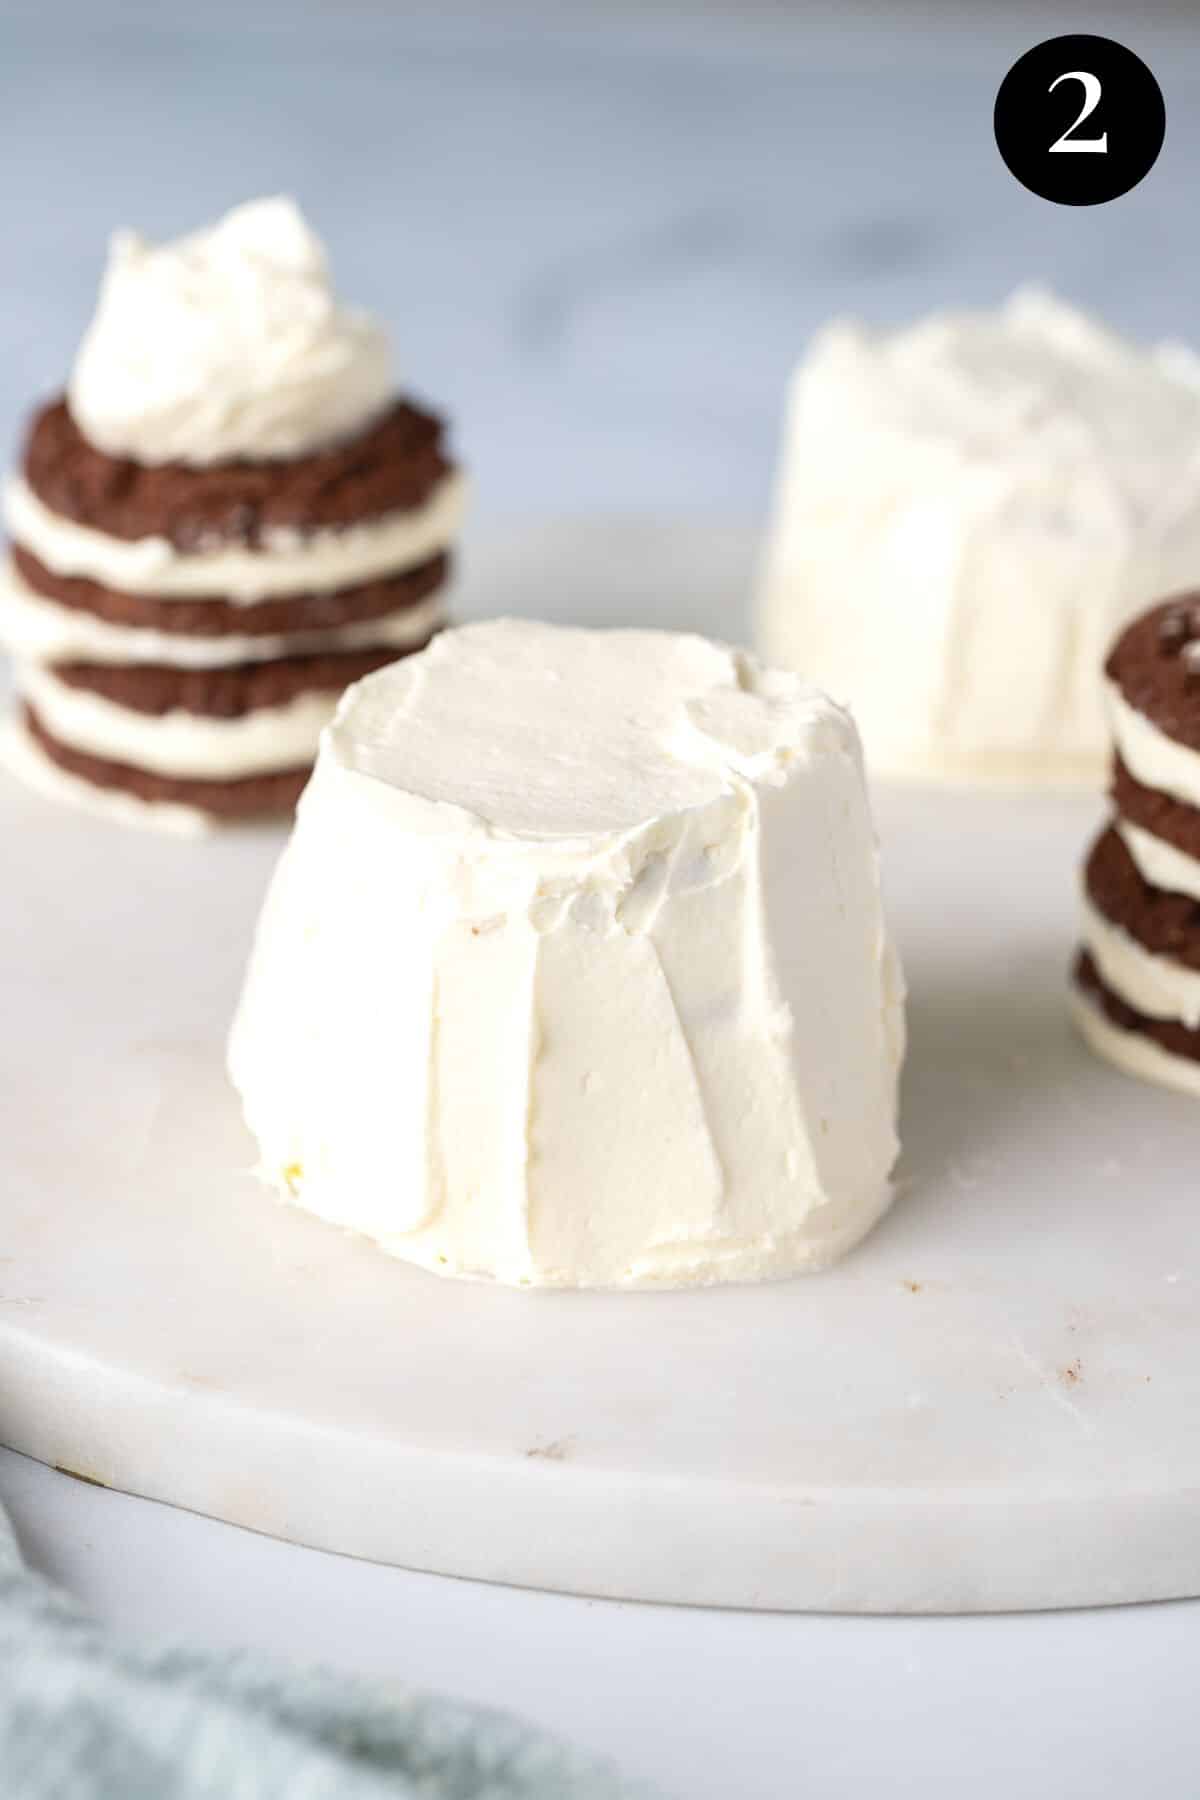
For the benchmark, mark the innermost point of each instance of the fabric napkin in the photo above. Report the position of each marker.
(85, 1716)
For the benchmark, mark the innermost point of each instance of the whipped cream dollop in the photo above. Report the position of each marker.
(225, 344)
(575, 971)
(966, 511)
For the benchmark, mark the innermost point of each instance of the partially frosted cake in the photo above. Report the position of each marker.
(229, 517)
(966, 512)
(575, 971)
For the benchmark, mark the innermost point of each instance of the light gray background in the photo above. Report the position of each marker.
(601, 235)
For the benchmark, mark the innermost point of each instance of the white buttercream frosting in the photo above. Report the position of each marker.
(286, 562)
(228, 343)
(966, 511)
(190, 746)
(35, 629)
(575, 970)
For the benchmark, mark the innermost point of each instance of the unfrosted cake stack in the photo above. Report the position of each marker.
(575, 970)
(229, 516)
(966, 511)
(1137, 978)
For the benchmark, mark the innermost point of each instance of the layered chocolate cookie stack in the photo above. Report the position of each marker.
(1137, 977)
(229, 517)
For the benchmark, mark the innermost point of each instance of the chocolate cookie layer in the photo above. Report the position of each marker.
(392, 466)
(248, 797)
(226, 692)
(219, 618)
(1156, 665)
(1164, 924)
(1172, 820)
(1168, 1034)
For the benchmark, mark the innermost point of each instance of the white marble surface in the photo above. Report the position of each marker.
(601, 237)
(717, 1703)
(988, 1405)
(710, 1705)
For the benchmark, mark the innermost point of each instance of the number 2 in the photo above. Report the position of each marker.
(1095, 146)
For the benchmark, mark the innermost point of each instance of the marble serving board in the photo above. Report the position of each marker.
(994, 1403)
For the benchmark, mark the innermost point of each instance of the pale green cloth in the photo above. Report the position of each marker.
(85, 1716)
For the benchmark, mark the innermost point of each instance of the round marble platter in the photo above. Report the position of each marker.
(993, 1404)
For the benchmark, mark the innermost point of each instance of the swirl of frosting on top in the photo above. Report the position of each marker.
(226, 344)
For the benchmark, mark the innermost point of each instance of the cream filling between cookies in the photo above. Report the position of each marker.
(35, 629)
(1160, 863)
(1151, 984)
(183, 744)
(1153, 758)
(25, 759)
(1132, 1051)
(288, 562)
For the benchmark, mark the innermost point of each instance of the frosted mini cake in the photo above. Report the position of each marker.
(966, 511)
(575, 970)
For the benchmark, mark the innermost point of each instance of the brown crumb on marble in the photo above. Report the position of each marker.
(558, 1451)
(78, 1475)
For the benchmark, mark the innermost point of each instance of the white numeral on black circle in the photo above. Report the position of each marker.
(1094, 146)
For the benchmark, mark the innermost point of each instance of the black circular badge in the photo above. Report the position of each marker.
(1079, 120)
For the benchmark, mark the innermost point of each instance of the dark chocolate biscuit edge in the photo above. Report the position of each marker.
(284, 616)
(392, 465)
